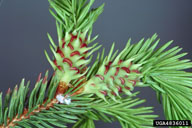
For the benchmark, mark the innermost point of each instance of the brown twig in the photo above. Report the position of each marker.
(25, 114)
(61, 89)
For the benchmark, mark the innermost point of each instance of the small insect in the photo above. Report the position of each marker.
(63, 99)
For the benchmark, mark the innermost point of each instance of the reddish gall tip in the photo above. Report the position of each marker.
(70, 46)
(106, 69)
(93, 85)
(83, 45)
(60, 52)
(104, 93)
(122, 80)
(67, 60)
(85, 52)
(39, 77)
(120, 61)
(76, 69)
(126, 69)
(44, 80)
(16, 88)
(75, 53)
(82, 58)
(54, 73)
(110, 62)
(60, 68)
(128, 88)
(112, 77)
(85, 39)
(100, 76)
(55, 62)
(117, 71)
(81, 41)
(119, 88)
(9, 91)
(113, 93)
(136, 71)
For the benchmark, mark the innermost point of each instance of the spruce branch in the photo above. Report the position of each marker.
(75, 16)
(159, 69)
(81, 94)
(164, 72)
(126, 111)
(18, 106)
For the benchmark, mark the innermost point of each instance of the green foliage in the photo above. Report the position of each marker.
(113, 74)
(126, 112)
(65, 70)
(83, 111)
(74, 27)
(162, 70)
(75, 15)
(16, 101)
(84, 123)
(58, 115)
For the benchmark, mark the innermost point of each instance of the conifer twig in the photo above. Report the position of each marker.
(80, 94)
